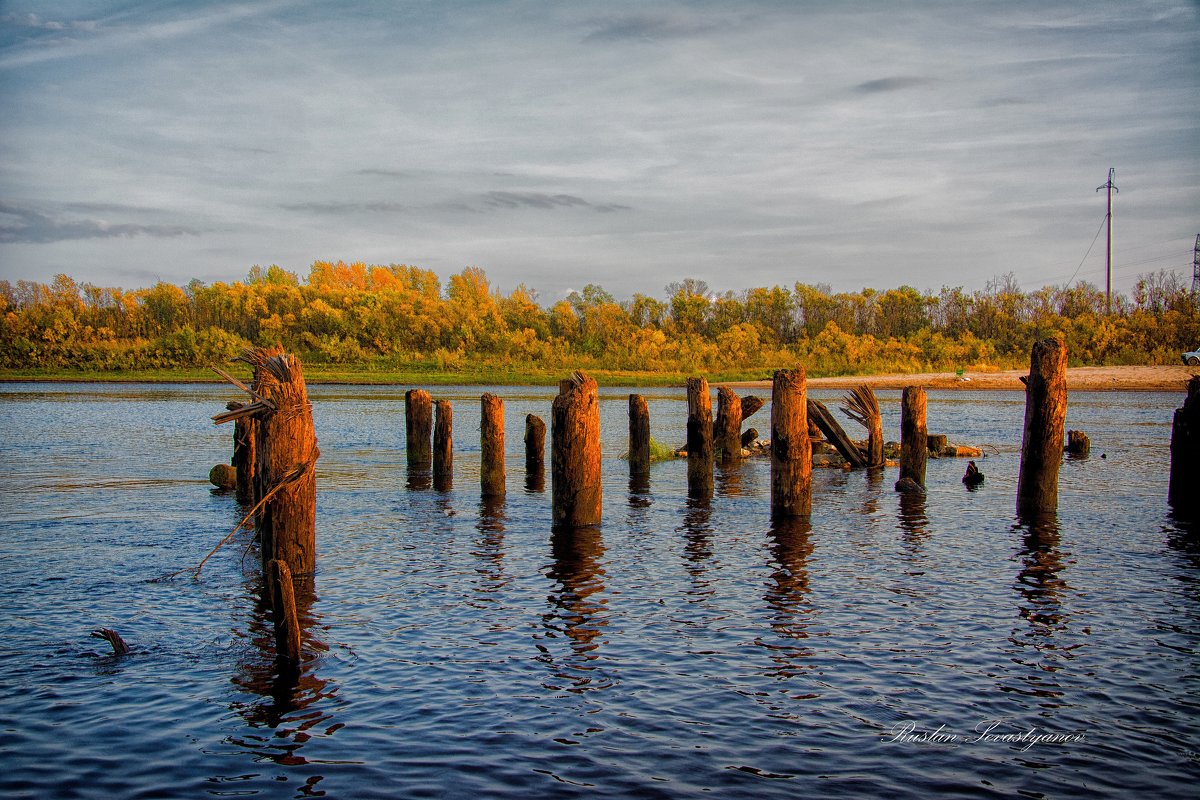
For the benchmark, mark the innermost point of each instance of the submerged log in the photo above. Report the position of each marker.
(914, 445)
(443, 446)
(283, 611)
(750, 404)
(791, 451)
(639, 435)
(418, 424)
(491, 441)
(1042, 440)
(937, 443)
(727, 440)
(863, 407)
(1183, 491)
(699, 439)
(575, 453)
(825, 422)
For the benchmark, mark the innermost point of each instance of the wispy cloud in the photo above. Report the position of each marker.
(501, 200)
(30, 226)
(892, 84)
(380, 207)
(649, 27)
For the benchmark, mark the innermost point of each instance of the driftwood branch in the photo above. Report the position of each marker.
(113, 638)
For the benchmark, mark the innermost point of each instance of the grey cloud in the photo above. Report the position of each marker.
(380, 207)
(892, 84)
(647, 28)
(26, 225)
(501, 200)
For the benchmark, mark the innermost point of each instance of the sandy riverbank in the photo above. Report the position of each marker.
(1139, 379)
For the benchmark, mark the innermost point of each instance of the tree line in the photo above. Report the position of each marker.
(399, 315)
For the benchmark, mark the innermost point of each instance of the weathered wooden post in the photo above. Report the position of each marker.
(1078, 444)
(535, 454)
(287, 454)
(491, 440)
(443, 446)
(914, 439)
(244, 432)
(418, 424)
(1042, 441)
(283, 611)
(791, 451)
(639, 435)
(728, 429)
(575, 453)
(699, 439)
(1183, 491)
(863, 407)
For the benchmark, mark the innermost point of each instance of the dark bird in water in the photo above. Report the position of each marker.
(973, 477)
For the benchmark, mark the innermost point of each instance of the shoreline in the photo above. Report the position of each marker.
(1079, 379)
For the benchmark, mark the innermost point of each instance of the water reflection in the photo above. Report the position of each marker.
(420, 476)
(639, 490)
(1041, 603)
(576, 610)
(729, 478)
(291, 704)
(698, 546)
(787, 594)
(490, 547)
(912, 517)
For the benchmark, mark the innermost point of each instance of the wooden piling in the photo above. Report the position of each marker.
(699, 439)
(791, 451)
(1183, 490)
(286, 452)
(914, 437)
(1078, 444)
(1042, 440)
(283, 611)
(443, 446)
(535, 453)
(727, 435)
(491, 440)
(575, 453)
(418, 424)
(639, 435)
(244, 432)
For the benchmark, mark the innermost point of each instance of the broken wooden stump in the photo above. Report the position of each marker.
(244, 458)
(862, 406)
(749, 436)
(535, 453)
(727, 439)
(973, 477)
(1183, 490)
(491, 443)
(750, 404)
(699, 439)
(1042, 440)
(283, 611)
(639, 435)
(937, 443)
(418, 425)
(443, 446)
(819, 415)
(914, 445)
(287, 454)
(791, 451)
(1078, 444)
(575, 453)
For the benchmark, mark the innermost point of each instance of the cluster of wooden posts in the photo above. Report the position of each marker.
(275, 452)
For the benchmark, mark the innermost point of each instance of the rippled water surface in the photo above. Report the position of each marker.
(460, 649)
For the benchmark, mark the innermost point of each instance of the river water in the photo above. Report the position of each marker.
(888, 647)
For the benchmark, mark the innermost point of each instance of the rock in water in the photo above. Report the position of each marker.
(223, 476)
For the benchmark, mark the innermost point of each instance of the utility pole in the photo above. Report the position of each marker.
(1111, 187)
(1196, 269)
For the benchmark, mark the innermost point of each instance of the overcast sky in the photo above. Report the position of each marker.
(628, 144)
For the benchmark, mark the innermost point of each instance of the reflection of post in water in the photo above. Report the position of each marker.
(697, 531)
(639, 490)
(788, 587)
(729, 478)
(874, 479)
(912, 517)
(576, 606)
(490, 550)
(1041, 589)
(289, 703)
